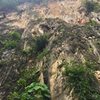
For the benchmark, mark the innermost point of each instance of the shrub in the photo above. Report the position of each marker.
(42, 54)
(40, 43)
(34, 91)
(27, 51)
(81, 78)
(15, 35)
(14, 38)
(92, 23)
(92, 6)
(29, 88)
(96, 7)
(39, 91)
(89, 6)
(30, 75)
(21, 82)
(10, 44)
(36, 46)
(14, 96)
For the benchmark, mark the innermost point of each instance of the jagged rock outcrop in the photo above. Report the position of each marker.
(66, 43)
(51, 34)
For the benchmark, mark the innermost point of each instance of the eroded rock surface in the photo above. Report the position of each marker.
(66, 42)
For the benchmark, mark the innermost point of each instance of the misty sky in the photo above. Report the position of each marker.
(11, 4)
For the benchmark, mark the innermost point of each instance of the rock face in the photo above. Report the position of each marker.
(51, 35)
(66, 43)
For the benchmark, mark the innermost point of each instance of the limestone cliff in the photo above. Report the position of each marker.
(50, 50)
(47, 44)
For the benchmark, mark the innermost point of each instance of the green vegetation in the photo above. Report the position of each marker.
(12, 42)
(92, 23)
(28, 87)
(15, 35)
(42, 54)
(27, 51)
(30, 75)
(36, 46)
(40, 43)
(89, 6)
(92, 6)
(34, 91)
(81, 79)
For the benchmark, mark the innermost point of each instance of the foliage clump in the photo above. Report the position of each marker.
(28, 87)
(42, 54)
(34, 91)
(12, 41)
(36, 46)
(81, 79)
(40, 43)
(92, 6)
